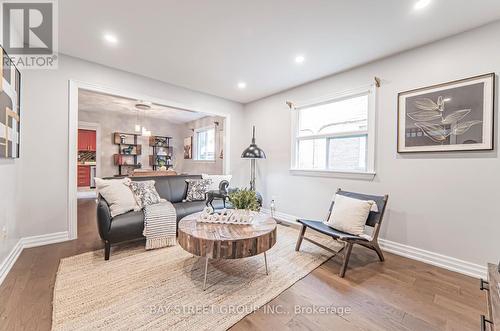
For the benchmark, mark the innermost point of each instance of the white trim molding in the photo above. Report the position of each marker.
(9, 261)
(74, 86)
(44, 239)
(29, 242)
(285, 218)
(414, 253)
(438, 260)
(369, 176)
(371, 92)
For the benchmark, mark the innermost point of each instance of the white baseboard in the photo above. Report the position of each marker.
(285, 218)
(414, 253)
(28, 242)
(9, 261)
(44, 239)
(439, 260)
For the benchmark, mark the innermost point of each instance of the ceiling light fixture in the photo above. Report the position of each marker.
(421, 4)
(143, 105)
(110, 38)
(242, 85)
(299, 59)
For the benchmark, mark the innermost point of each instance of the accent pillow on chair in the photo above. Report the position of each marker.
(349, 215)
(117, 194)
(216, 179)
(145, 193)
(197, 189)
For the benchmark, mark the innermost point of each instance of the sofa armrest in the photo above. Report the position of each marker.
(103, 218)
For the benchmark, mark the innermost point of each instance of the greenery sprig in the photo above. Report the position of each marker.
(244, 199)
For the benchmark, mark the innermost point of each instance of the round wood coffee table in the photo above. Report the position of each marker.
(227, 241)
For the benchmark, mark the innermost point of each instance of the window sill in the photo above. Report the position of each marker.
(203, 161)
(331, 173)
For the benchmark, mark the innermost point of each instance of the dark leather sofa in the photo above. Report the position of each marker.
(130, 226)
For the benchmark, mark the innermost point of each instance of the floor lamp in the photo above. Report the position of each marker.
(253, 152)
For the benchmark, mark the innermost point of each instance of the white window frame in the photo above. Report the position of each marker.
(195, 143)
(369, 174)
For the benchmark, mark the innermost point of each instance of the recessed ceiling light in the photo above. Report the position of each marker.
(242, 85)
(110, 38)
(299, 59)
(421, 4)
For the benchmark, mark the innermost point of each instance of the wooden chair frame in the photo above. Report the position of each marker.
(374, 220)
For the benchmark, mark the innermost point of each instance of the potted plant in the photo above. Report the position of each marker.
(245, 203)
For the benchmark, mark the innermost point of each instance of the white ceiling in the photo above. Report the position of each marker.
(93, 101)
(211, 45)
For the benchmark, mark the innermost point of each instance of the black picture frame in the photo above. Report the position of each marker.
(426, 124)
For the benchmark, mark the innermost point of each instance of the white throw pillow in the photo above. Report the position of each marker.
(216, 179)
(117, 194)
(349, 215)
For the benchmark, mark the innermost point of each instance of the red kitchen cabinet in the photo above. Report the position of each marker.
(82, 140)
(86, 140)
(92, 140)
(83, 176)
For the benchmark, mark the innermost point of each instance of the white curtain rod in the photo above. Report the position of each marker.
(292, 105)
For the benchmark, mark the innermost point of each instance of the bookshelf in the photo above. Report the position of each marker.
(162, 152)
(128, 154)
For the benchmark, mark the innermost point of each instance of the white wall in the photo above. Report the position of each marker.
(443, 203)
(43, 167)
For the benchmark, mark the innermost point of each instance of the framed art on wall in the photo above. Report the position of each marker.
(454, 116)
(10, 99)
(188, 148)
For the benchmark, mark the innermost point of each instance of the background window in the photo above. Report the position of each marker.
(205, 144)
(334, 135)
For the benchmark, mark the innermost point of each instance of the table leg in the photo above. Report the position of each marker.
(265, 261)
(205, 278)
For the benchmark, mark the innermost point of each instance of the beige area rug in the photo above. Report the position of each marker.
(162, 289)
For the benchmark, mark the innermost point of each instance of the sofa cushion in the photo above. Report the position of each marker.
(171, 188)
(117, 194)
(197, 189)
(216, 179)
(185, 208)
(162, 185)
(178, 187)
(145, 193)
(349, 215)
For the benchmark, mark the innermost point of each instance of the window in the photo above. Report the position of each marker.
(335, 135)
(205, 144)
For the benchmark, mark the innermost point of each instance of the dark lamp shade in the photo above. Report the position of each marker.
(253, 152)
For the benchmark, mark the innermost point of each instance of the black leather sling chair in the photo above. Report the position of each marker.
(374, 220)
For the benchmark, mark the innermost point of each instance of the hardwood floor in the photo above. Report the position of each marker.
(399, 294)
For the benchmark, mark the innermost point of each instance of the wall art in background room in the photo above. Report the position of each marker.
(454, 116)
(188, 148)
(10, 99)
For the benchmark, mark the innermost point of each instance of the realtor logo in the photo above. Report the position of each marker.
(29, 33)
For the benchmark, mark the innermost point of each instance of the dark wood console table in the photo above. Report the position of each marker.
(492, 322)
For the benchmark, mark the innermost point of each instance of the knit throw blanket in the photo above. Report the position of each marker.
(160, 226)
